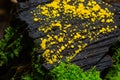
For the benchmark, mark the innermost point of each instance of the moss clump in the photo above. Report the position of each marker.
(68, 71)
(114, 71)
(8, 48)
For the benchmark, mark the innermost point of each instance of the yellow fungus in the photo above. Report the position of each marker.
(115, 26)
(36, 19)
(46, 53)
(61, 56)
(69, 33)
(56, 37)
(83, 37)
(62, 47)
(60, 39)
(72, 46)
(77, 36)
(43, 44)
(52, 51)
(103, 20)
(50, 61)
(66, 45)
(70, 42)
(54, 56)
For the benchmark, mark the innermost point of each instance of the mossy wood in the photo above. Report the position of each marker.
(81, 31)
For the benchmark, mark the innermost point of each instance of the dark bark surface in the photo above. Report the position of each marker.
(95, 54)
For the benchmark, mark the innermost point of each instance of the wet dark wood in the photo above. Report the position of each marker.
(112, 1)
(95, 54)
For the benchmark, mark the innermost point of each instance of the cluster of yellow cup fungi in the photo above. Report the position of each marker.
(67, 24)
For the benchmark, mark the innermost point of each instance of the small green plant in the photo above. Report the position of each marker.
(26, 77)
(114, 71)
(116, 56)
(37, 72)
(68, 71)
(9, 48)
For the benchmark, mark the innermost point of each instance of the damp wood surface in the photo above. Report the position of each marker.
(94, 52)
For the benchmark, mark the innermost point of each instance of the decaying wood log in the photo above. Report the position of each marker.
(84, 36)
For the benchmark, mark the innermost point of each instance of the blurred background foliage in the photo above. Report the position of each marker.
(9, 48)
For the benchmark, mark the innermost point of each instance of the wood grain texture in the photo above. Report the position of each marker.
(112, 1)
(95, 54)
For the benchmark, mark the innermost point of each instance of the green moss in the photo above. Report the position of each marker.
(68, 71)
(114, 71)
(9, 48)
